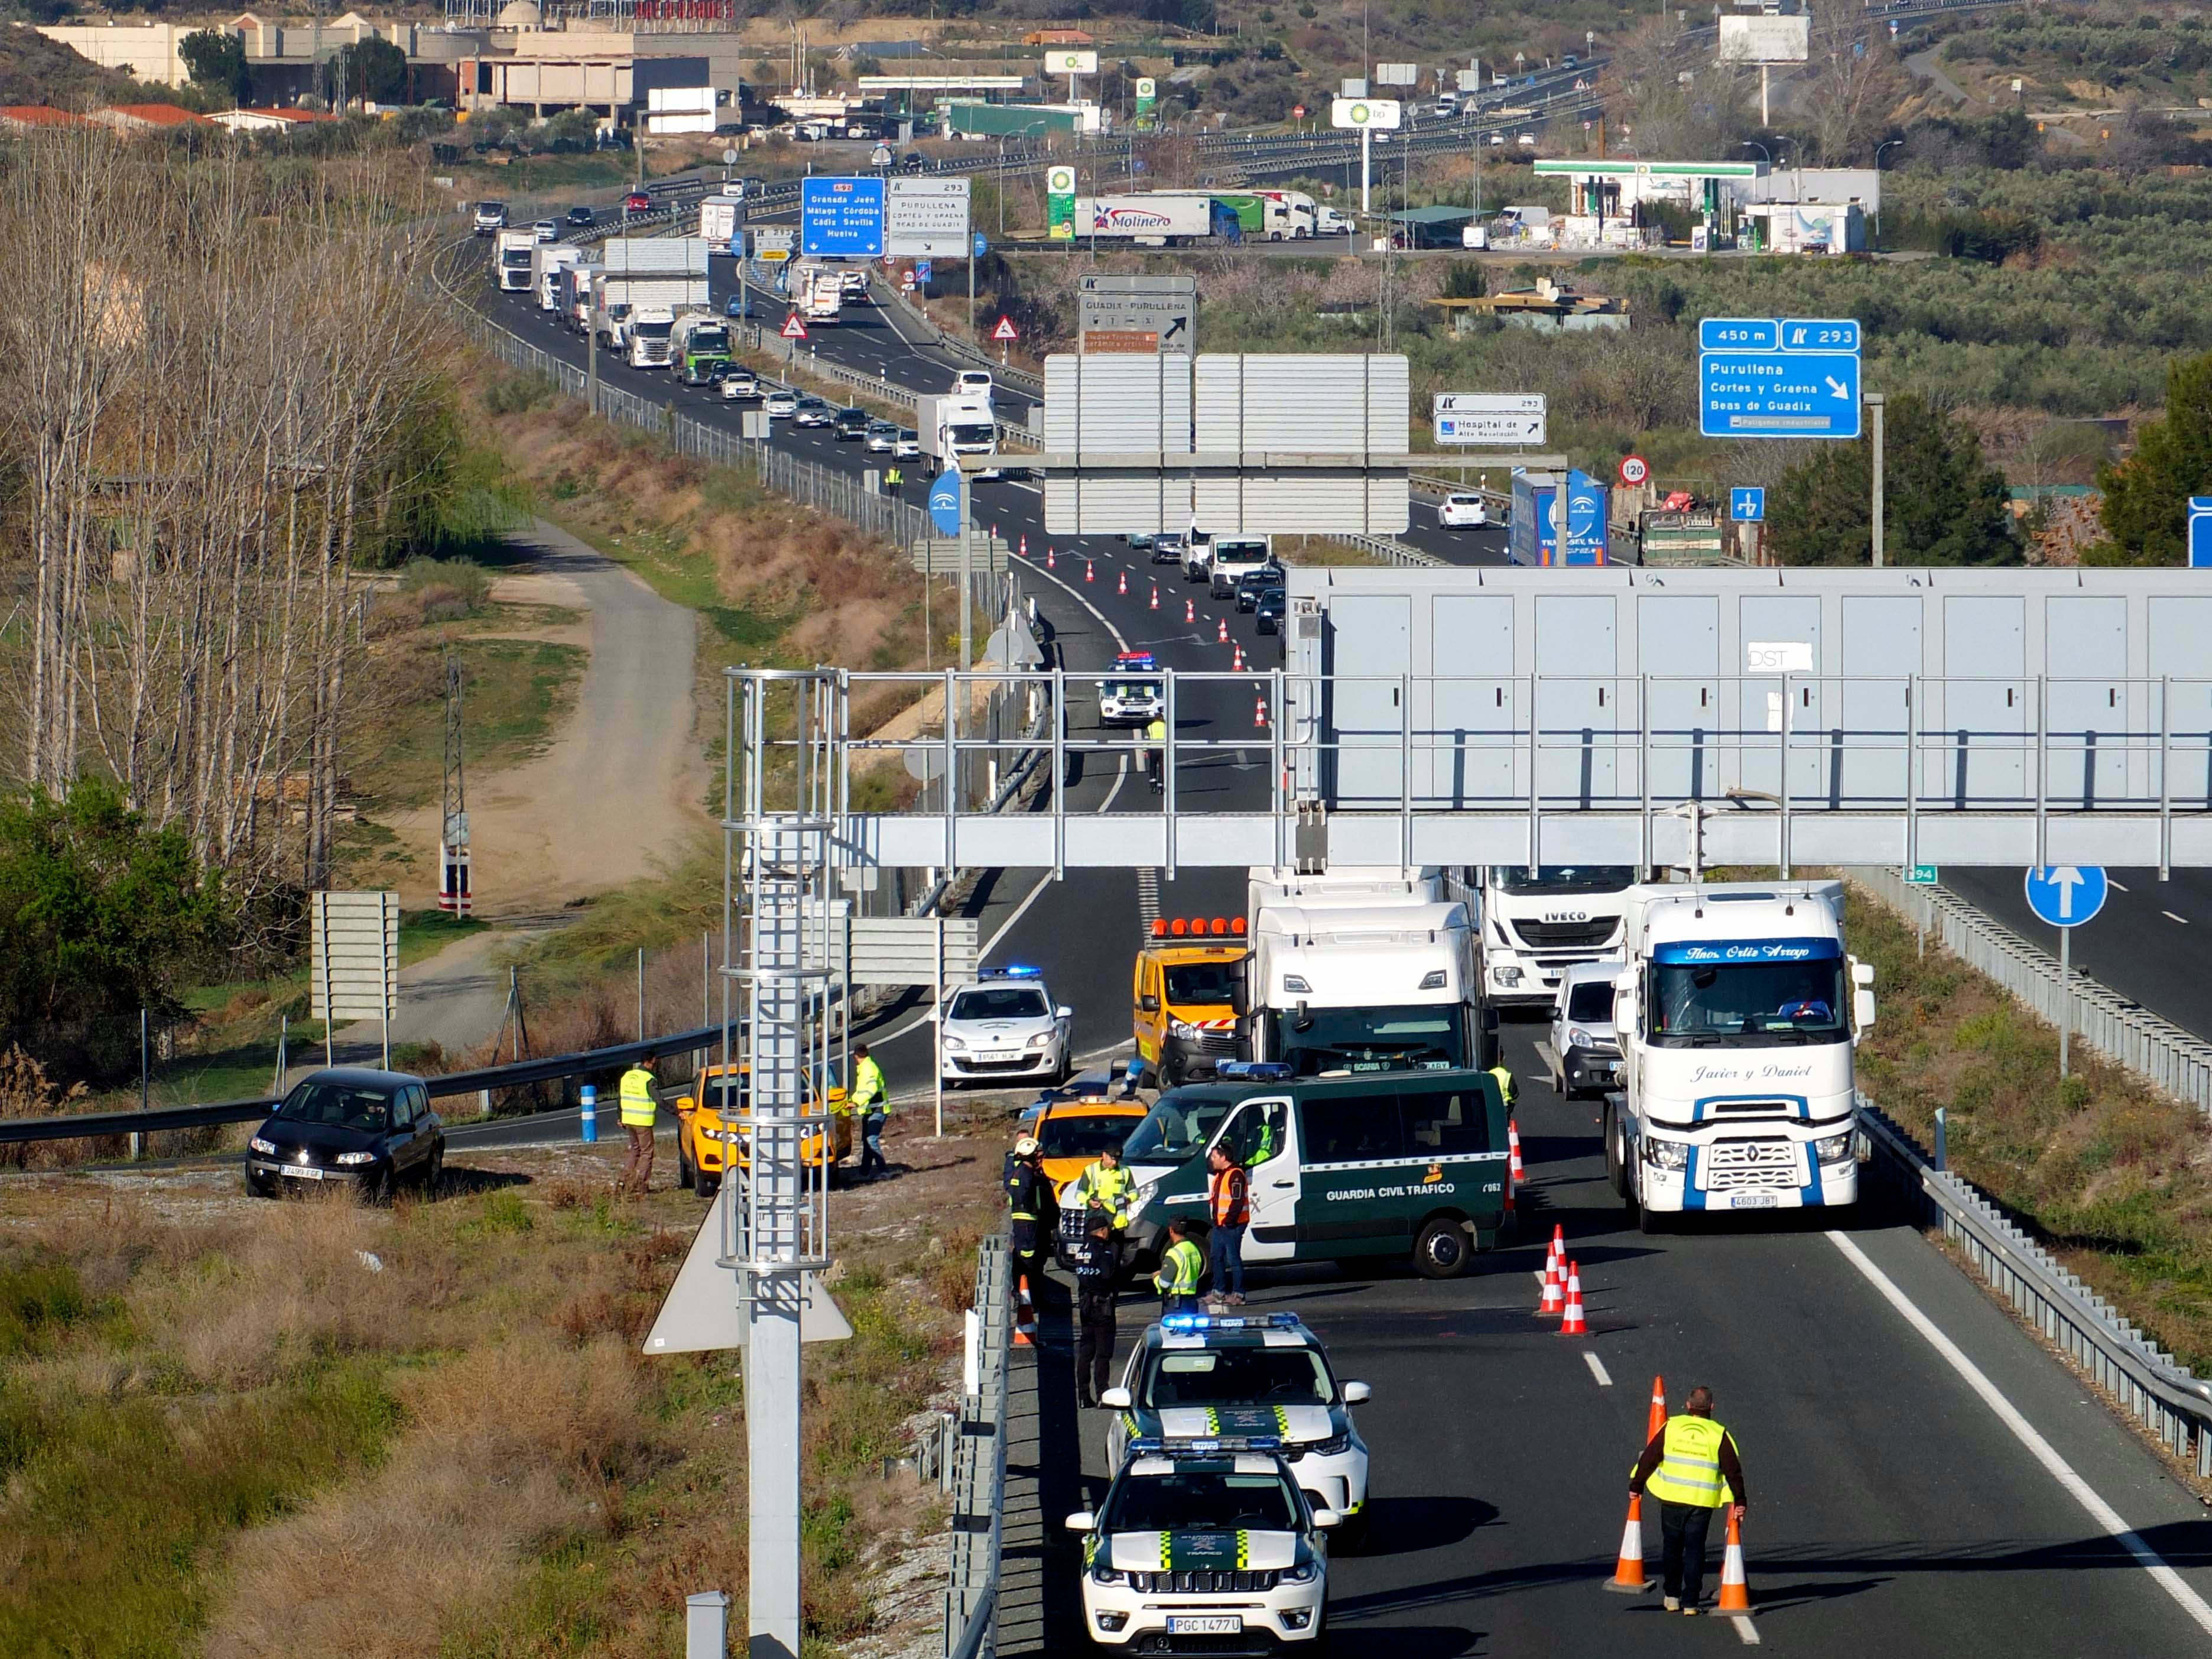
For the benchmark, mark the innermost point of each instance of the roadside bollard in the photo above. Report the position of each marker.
(587, 1098)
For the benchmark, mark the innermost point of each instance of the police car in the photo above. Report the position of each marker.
(1004, 1027)
(1246, 1374)
(1124, 700)
(1208, 1546)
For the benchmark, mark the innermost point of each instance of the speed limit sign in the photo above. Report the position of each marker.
(1634, 469)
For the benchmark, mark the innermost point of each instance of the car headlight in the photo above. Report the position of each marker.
(1184, 1029)
(954, 1045)
(1105, 1575)
(349, 1159)
(1509, 976)
(1304, 1572)
(1042, 1040)
(1835, 1148)
(261, 1146)
(1667, 1154)
(1335, 1446)
(1577, 1037)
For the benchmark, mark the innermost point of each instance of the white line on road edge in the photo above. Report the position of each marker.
(1597, 1369)
(1746, 1633)
(2170, 916)
(2041, 1449)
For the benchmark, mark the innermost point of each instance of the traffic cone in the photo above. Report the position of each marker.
(1124, 587)
(1259, 713)
(1155, 596)
(1656, 1418)
(1090, 570)
(1221, 630)
(1236, 665)
(1050, 563)
(1555, 1293)
(1513, 1147)
(1735, 1589)
(1628, 1571)
(1190, 611)
(1558, 1259)
(1572, 1323)
(1026, 544)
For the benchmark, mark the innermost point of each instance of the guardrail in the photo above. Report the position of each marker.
(978, 1486)
(2170, 1401)
(1392, 551)
(2156, 1049)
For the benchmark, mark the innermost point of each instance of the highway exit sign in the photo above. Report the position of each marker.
(1920, 875)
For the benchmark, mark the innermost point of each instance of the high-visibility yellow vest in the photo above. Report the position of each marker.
(1107, 1189)
(639, 1108)
(1180, 1269)
(1689, 1469)
(869, 1093)
(1506, 1089)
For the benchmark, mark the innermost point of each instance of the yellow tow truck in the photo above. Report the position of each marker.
(1188, 987)
(708, 1145)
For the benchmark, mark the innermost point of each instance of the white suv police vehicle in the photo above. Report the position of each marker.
(1004, 1027)
(1208, 1547)
(1126, 697)
(1196, 1375)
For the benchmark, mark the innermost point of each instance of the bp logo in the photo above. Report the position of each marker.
(1361, 115)
(1060, 181)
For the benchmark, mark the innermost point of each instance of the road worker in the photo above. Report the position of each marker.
(1691, 1467)
(1180, 1267)
(639, 1111)
(871, 1099)
(1228, 1206)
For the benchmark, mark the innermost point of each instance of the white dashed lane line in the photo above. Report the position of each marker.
(2170, 916)
(1597, 1369)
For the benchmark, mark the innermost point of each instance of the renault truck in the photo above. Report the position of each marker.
(1737, 1014)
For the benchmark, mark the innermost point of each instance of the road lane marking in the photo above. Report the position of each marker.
(1597, 1369)
(2170, 916)
(2115, 885)
(2038, 1448)
(1745, 1631)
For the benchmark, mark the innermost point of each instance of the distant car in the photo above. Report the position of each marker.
(1568, 60)
(349, 1126)
(546, 230)
(813, 411)
(1253, 583)
(781, 405)
(1496, 139)
(1462, 511)
(880, 157)
(637, 202)
(852, 286)
(1167, 547)
(581, 217)
(1527, 141)
(1267, 611)
(1140, 542)
(490, 216)
(852, 424)
(909, 444)
(914, 162)
(883, 437)
(972, 383)
(740, 304)
(1004, 1026)
(739, 385)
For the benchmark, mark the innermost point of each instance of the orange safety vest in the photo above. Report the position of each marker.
(1227, 1197)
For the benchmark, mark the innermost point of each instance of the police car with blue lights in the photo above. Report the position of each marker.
(1126, 699)
(1194, 1375)
(1003, 1027)
(1205, 1545)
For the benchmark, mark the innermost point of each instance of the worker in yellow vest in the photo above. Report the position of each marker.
(1691, 1467)
(1181, 1264)
(1508, 1090)
(639, 1111)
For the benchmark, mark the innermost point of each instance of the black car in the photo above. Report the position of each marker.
(1267, 611)
(354, 1126)
(914, 162)
(853, 424)
(1253, 583)
(581, 216)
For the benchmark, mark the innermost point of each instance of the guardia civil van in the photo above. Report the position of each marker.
(1407, 1162)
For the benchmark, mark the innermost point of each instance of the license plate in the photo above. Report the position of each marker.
(301, 1171)
(1205, 1624)
(1757, 1201)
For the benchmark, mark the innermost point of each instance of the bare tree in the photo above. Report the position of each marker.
(1854, 79)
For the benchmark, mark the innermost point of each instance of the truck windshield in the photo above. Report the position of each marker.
(709, 340)
(1747, 1004)
(655, 331)
(1173, 1130)
(1423, 1037)
(515, 258)
(982, 436)
(1566, 879)
(1197, 984)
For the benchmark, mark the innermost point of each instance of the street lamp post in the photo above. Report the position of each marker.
(1891, 143)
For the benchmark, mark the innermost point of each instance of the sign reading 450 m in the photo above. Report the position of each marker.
(1779, 377)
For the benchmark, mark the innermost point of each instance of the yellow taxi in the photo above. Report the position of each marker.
(1071, 1134)
(706, 1148)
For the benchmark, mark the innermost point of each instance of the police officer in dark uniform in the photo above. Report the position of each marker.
(1030, 1210)
(1097, 1262)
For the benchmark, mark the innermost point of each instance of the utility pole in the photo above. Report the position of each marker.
(454, 888)
(1875, 402)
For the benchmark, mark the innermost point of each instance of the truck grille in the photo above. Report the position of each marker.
(1567, 935)
(1728, 1164)
(1203, 1581)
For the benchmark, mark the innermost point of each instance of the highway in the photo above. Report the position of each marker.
(1898, 1504)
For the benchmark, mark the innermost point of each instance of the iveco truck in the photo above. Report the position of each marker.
(1536, 927)
(1737, 1014)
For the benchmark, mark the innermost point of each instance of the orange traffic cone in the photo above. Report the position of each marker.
(1513, 1147)
(1025, 543)
(1655, 1420)
(1555, 1292)
(1259, 713)
(1190, 611)
(1628, 1571)
(1124, 587)
(1735, 1590)
(1221, 630)
(1155, 596)
(1090, 570)
(1236, 666)
(1572, 1323)
(1050, 563)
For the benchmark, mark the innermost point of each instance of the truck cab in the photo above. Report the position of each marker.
(701, 347)
(1189, 995)
(652, 337)
(1535, 926)
(515, 252)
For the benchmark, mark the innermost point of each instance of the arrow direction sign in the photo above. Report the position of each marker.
(1779, 377)
(2066, 895)
(1479, 417)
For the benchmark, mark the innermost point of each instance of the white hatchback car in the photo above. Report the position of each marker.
(1463, 512)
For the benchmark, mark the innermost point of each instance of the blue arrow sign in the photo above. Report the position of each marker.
(2200, 531)
(1779, 394)
(2066, 895)
(944, 502)
(841, 218)
(1747, 505)
(982, 245)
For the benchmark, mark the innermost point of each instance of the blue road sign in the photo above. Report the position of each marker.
(842, 218)
(944, 502)
(2066, 895)
(2200, 531)
(1740, 334)
(1747, 505)
(982, 246)
(1779, 377)
(922, 269)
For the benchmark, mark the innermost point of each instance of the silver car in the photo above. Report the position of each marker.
(1585, 1047)
(781, 406)
(883, 437)
(1004, 1027)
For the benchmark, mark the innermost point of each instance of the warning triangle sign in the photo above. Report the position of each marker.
(794, 327)
(1005, 330)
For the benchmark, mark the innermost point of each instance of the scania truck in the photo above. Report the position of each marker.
(1737, 1014)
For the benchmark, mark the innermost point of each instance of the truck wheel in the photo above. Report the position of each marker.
(1649, 1222)
(1442, 1249)
(1616, 1157)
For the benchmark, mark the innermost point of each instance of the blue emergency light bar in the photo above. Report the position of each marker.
(1183, 1323)
(1012, 970)
(1254, 1071)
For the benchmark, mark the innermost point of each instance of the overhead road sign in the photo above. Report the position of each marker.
(1397, 74)
(2066, 895)
(773, 244)
(1747, 504)
(841, 218)
(1779, 377)
(926, 218)
(2200, 531)
(1369, 112)
(1489, 417)
(1137, 313)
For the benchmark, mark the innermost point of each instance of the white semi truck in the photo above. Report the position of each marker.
(956, 424)
(547, 261)
(652, 337)
(1737, 1014)
(511, 254)
(1535, 927)
(1360, 970)
(817, 292)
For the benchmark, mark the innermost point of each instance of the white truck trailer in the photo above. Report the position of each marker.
(1737, 1014)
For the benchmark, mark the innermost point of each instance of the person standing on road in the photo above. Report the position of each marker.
(1691, 1467)
(1156, 754)
(1029, 1208)
(1228, 1206)
(1180, 1267)
(1097, 1263)
(894, 480)
(639, 1111)
(872, 1099)
(1508, 1089)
